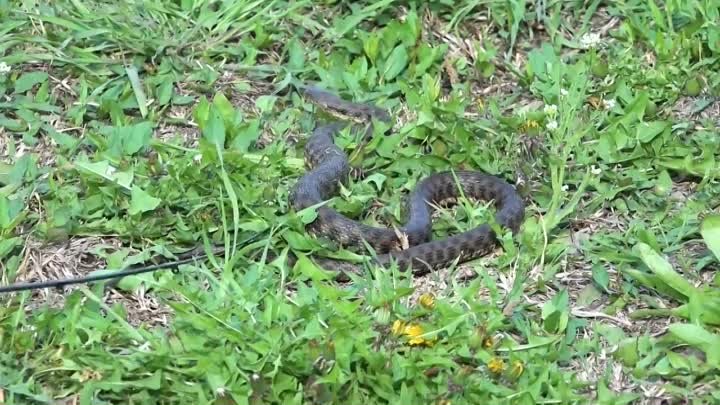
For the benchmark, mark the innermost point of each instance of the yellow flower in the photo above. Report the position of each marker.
(427, 300)
(529, 124)
(517, 369)
(414, 332)
(496, 365)
(418, 341)
(489, 342)
(398, 327)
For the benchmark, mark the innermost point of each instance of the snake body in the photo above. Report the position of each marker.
(329, 167)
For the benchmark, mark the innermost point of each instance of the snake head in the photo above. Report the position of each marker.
(361, 112)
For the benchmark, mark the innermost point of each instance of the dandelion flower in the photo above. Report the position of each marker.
(398, 327)
(427, 300)
(414, 332)
(496, 365)
(489, 342)
(529, 124)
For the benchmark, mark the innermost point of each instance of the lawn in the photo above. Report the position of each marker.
(131, 132)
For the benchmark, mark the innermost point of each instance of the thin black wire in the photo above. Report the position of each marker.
(88, 279)
(58, 283)
(112, 275)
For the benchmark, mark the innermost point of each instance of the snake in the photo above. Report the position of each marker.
(409, 246)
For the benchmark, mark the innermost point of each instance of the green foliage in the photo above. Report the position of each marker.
(168, 124)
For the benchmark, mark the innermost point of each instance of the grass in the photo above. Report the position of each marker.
(129, 130)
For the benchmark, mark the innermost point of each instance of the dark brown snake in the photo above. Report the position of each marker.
(329, 166)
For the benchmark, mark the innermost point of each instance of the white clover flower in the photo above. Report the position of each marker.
(564, 92)
(552, 125)
(4, 67)
(590, 40)
(550, 109)
(609, 104)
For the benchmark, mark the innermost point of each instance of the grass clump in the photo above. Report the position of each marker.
(129, 131)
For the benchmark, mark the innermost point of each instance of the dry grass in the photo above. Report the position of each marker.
(77, 257)
(74, 257)
(698, 109)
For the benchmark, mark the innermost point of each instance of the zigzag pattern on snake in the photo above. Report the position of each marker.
(329, 166)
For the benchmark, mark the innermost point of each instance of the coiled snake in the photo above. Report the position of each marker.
(329, 166)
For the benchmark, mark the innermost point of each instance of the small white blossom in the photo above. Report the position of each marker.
(595, 170)
(563, 92)
(590, 40)
(565, 187)
(609, 104)
(197, 158)
(550, 109)
(4, 67)
(552, 125)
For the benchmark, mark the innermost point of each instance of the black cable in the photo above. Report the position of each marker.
(190, 256)
(113, 275)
